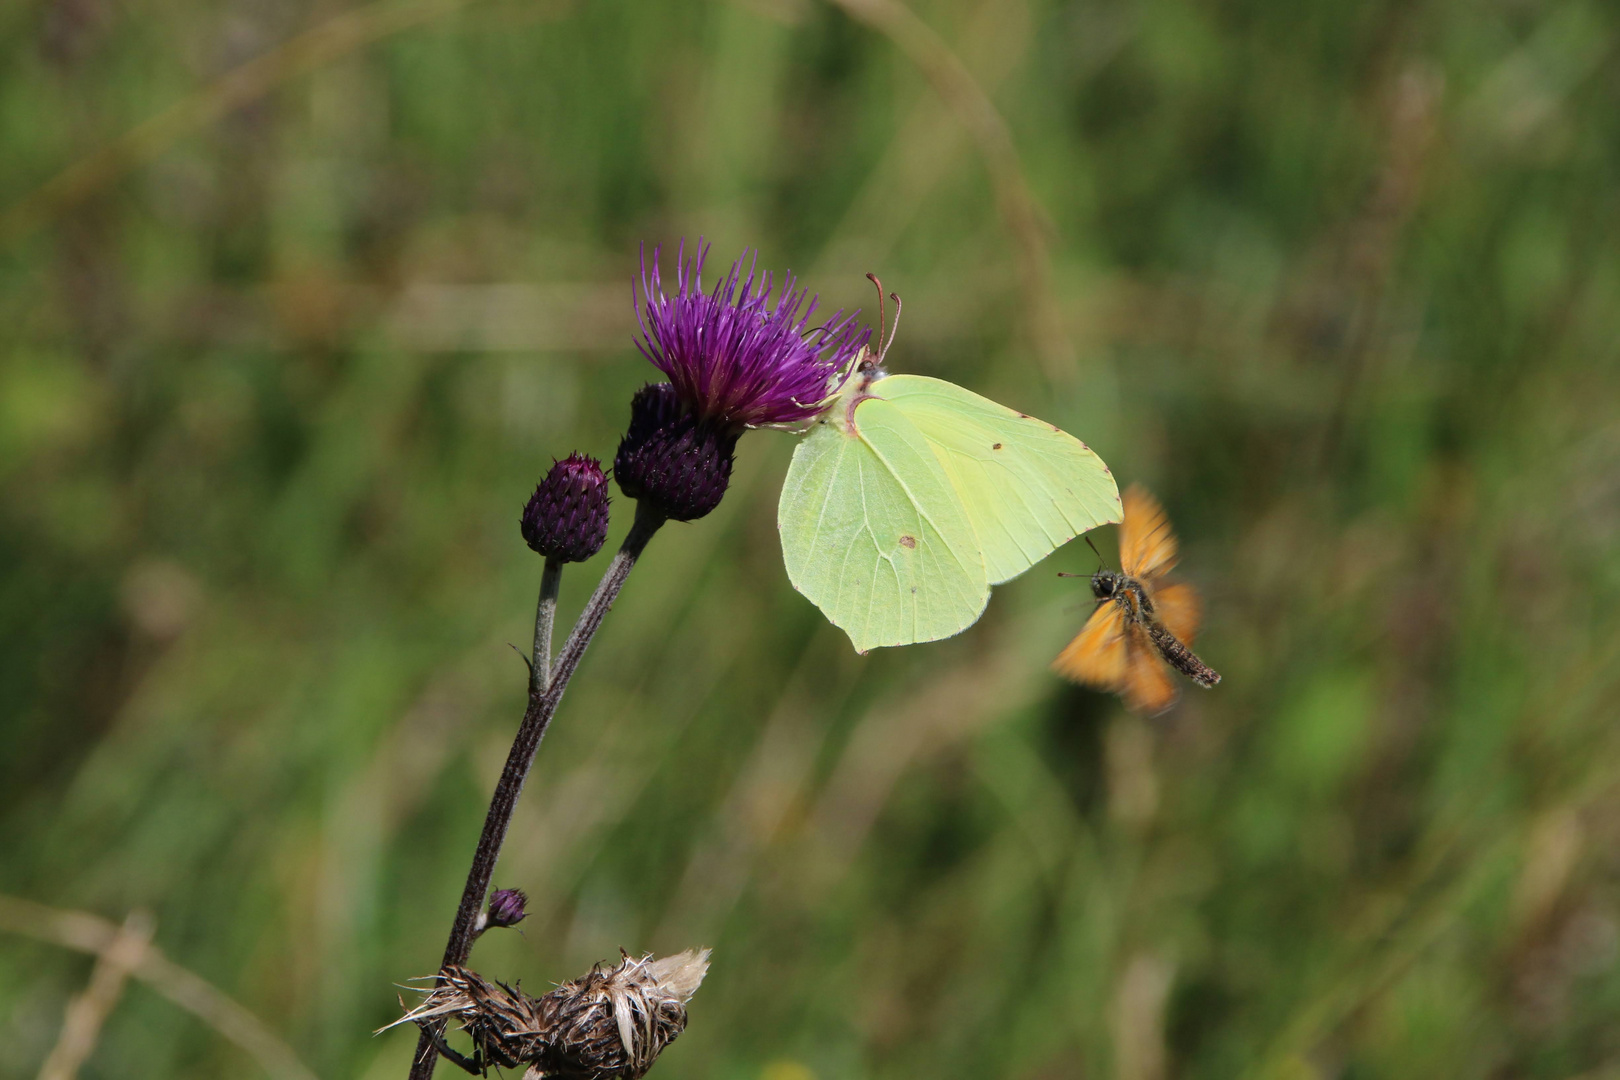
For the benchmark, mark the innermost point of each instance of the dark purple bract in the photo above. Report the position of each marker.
(679, 464)
(566, 518)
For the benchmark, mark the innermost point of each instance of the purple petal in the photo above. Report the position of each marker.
(732, 357)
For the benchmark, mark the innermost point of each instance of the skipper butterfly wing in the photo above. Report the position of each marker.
(1147, 547)
(1178, 610)
(1147, 686)
(1097, 655)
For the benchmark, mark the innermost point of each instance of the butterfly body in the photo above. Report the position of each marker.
(1141, 623)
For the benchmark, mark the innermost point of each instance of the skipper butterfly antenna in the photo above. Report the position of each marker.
(1095, 552)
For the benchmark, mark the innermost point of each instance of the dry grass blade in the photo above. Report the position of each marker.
(958, 88)
(925, 147)
(87, 1012)
(91, 934)
(322, 44)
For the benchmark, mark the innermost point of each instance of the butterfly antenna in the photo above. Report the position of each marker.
(1095, 552)
(882, 321)
(895, 329)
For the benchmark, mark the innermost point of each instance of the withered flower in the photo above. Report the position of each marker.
(609, 1025)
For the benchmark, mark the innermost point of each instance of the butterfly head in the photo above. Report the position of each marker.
(849, 384)
(868, 367)
(1107, 584)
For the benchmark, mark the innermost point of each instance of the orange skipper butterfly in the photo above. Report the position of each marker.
(1141, 624)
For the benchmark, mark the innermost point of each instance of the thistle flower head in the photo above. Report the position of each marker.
(677, 462)
(734, 359)
(566, 518)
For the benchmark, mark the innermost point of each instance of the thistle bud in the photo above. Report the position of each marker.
(566, 518)
(506, 908)
(610, 1023)
(679, 464)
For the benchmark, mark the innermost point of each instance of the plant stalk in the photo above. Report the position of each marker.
(545, 615)
(536, 718)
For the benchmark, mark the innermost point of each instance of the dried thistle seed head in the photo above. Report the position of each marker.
(502, 1020)
(615, 1023)
(676, 462)
(566, 518)
(609, 1025)
(506, 908)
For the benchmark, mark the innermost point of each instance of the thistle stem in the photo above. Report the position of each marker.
(536, 718)
(545, 615)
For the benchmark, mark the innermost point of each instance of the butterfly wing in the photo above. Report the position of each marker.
(873, 533)
(1026, 486)
(1096, 656)
(1147, 547)
(1147, 688)
(1178, 610)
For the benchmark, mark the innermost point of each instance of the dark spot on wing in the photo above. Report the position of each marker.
(914, 590)
(908, 542)
(996, 446)
(1023, 416)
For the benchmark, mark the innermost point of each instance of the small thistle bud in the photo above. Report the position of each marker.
(505, 909)
(677, 463)
(610, 1023)
(566, 518)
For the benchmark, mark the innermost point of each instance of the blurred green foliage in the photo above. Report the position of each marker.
(1338, 280)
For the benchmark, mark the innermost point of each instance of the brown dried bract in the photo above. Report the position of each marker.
(610, 1023)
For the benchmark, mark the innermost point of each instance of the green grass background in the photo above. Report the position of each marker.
(1339, 280)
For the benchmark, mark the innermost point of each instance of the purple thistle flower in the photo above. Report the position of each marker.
(736, 361)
